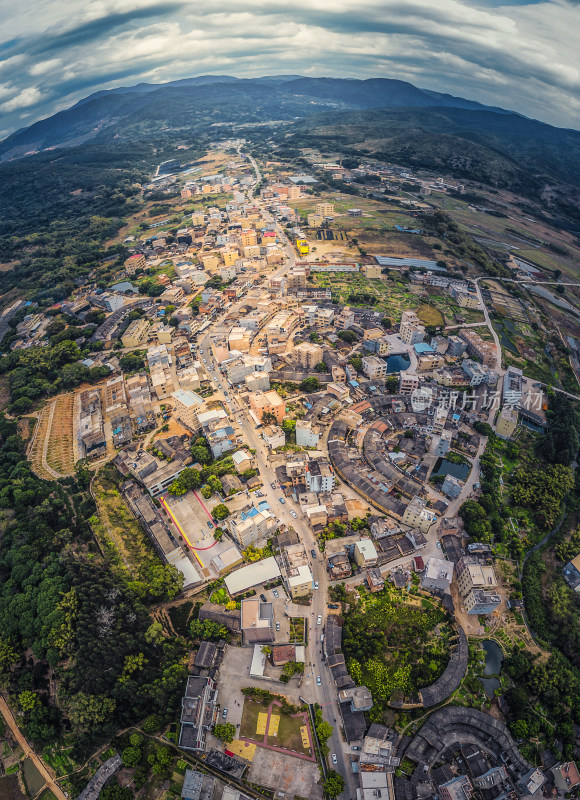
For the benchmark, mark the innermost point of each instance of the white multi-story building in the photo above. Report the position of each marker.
(374, 367)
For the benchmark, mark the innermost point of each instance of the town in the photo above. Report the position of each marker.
(307, 432)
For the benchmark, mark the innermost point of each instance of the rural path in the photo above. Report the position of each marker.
(28, 751)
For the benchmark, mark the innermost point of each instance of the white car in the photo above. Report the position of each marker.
(318, 681)
(205, 360)
(319, 619)
(334, 759)
(294, 514)
(316, 584)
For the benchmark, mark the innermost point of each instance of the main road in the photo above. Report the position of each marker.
(324, 694)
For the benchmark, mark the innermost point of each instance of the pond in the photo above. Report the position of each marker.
(504, 330)
(445, 467)
(493, 662)
(32, 777)
(398, 363)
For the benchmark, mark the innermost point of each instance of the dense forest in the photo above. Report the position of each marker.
(78, 650)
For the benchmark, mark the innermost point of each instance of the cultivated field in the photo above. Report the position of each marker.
(60, 454)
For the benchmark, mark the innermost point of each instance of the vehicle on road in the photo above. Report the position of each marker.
(319, 619)
(313, 553)
(263, 598)
(277, 626)
(273, 485)
(438, 545)
(205, 360)
(275, 592)
(334, 759)
(316, 584)
(281, 499)
(318, 681)
(209, 524)
(224, 713)
(294, 514)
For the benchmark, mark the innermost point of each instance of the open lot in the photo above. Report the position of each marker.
(270, 727)
(279, 772)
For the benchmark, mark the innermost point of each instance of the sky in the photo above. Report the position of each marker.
(522, 55)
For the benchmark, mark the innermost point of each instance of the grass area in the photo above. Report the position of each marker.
(289, 734)
(117, 524)
(179, 616)
(59, 760)
(297, 630)
(249, 721)
(430, 315)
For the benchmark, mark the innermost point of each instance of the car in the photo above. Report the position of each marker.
(318, 681)
(205, 360)
(293, 514)
(334, 758)
(224, 713)
(332, 605)
(319, 619)
(316, 584)
(225, 394)
(277, 626)
(273, 485)
(313, 553)
(275, 592)
(263, 598)
(281, 499)
(438, 545)
(209, 524)
(355, 747)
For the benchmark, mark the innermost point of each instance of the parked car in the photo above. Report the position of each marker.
(313, 553)
(277, 626)
(293, 514)
(439, 545)
(281, 499)
(318, 681)
(319, 619)
(355, 747)
(263, 598)
(273, 485)
(209, 524)
(332, 605)
(224, 713)
(316, 584)
(334, 759)
(275, 592)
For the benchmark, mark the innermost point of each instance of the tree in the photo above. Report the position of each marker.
(225, 731)
(114, 791)
(392, 385)
(321, 367)
(221, 511)
(154, 633)
(90, 710)
(334, 784)
(131, 756)
(207, 630)
(324, 730)
(349, 337)
(201, 455)
(386, 322)
(311, 384)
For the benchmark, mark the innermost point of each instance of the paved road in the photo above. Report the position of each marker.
(28, 751)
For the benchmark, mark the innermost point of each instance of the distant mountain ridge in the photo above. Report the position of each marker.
(105, 108)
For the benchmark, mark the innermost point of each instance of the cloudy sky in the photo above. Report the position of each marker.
(523, 55)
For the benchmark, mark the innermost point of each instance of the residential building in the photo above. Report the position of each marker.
(323, 317)
(196, 785)
(408, 383)
(187, 407)
(566, 777)
(338, 565)
(319, 476)
(308, 354)
(571, 573)
(456, 347)
(512, 386)
(257, 621)
(377, 347)
(411, 330)
(273, 436)
(365, 553)
(198, 712)
(296, 570)
(133, 263)
(252, 575)
(458, 788)
(374, 367)
(115, 397)
(438, 574)
(324, 209)
(451, 487)
(268, 403)
(258, 382)
(417, 515)
(478, 601)
(251, 525)
(472, 575)
(477, 373)
(345, 319)
(307, 435)
(507, 422)
(243, 460)
(375, 580)
(106, 301)
(430, 362)
(476, 346)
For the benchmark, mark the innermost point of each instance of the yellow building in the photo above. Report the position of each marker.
(136, 333)
(230, 257)
(325, 209)
(507, 422)
(303, 247)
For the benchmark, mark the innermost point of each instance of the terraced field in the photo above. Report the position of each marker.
(59, 454)
(36, 451)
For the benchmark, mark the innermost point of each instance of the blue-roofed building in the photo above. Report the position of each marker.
(422, 347)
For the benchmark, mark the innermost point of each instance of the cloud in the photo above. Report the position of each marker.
(29, 96)
(519, 54)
